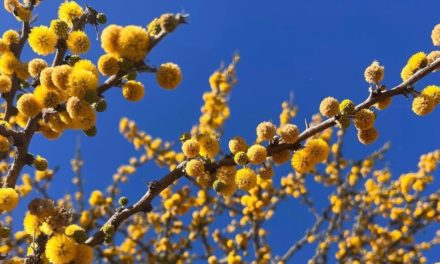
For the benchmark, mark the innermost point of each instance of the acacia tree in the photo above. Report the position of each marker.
(371, 217)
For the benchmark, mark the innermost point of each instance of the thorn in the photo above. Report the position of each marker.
(306, 123)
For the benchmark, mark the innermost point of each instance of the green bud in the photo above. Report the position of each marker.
(100, 105)
(91, 96)
(108, 239)
(101, 18)
(218, 186)
(131, 76)
(4, 232)
(108, 229)
(91, 132)
(123, 201)
(80, 236)
(72, 59)
(40, 163)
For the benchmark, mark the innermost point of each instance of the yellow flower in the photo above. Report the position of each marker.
(4, 144)
(301, 162)
(289, 133)
(246, 179)
(237, 144)
(78, 42)
(84, 254)
(226, 174)
(364, 119)
(169, 75)
(80, 81)
(42, 40)
(433, 91)
(108, 65)
(68, 11)
(191, 148)
(8, 199)
(384, 103)
(11, 37)
(96, 198)
(374, 73)
(8, 63)
(209, 147)
(133, 91)
(133, 43)
(60, 76)
(5, 84)
(31, 224)
(266, 131)
(28, 105)
(281, 157)
(60, 28)
(195, 168)
(435, 35)
(46, 98)
(414, 63)
(109, 39)
(329, 107)
(256, 154)
(423, 104)
(367, 136)
(317, 150)
(60, 249)
(35, 67)
(86, 65)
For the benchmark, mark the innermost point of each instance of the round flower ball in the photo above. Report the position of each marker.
(169, 76)
(423, 104)
(289, 133)
(256, 154)
(195, 168)
(133, 91)
(8, 199)
(329, 107)
(191, 148)
(237, 144)
(301, 162)
(28, 105)
(78, 42)
(246, 179)
(266, 131)
(364, 119)
(374, 73)
(42, 40)
(367, 136)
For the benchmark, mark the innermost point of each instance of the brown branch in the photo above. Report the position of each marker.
(144, 204)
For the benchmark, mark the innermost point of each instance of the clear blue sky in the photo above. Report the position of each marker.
(314, 48)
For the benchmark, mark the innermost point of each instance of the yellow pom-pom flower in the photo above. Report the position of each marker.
(256, 154)
(60, 249)
(60, 76)
(347, 107)
(77, 108)
(237, 144)
(81, 81)
(47, 98)
(86, 65)
(374, 73)
(8, 199)
(5, 84)
(108, 65)
(4, 144)
(423, 104)
(84, 255)
(209, 146)
(69, 11)
(435, 35)
(301, 162)
(191, 148)
(317, 149)
(43, 40)
(329, 107)
(133, 91)
(8, 63)
(226, 174)
(433, 91)
(35, 67)
(195, 168)
(382, 104)
(28, 105)
(289, 133)
(415, 62)
(96, 198)
(364, 119)
(60, 28)
(169, 75)
(246, 179)
(11, 37)
(46, 78)
(241, 158)
(367, 136)
(133, 43)
(31, 224)
(266, 131)
(78, 42)
(281, 157)
(109, 39)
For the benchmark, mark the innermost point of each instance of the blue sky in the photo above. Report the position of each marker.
(313, 48)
